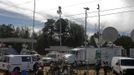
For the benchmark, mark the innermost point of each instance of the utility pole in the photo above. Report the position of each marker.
(60, 12)
(86, 9)
(98, 52)
(99, 24)
(99, 36)
(99, 32)
(34, 9)
(85, 42)
(60, 34)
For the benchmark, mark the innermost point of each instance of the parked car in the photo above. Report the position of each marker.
(123, 65)
(18, 62)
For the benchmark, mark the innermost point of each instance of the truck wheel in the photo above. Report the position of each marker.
(122, 73)
(17, 69)
(114, 72)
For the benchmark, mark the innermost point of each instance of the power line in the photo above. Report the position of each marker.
(78, 19)
(110, 13)
(104, 14)
(13, 5)
(18, 7)
(101, 11)
(117, 8)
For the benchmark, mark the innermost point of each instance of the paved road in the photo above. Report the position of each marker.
(79, 72)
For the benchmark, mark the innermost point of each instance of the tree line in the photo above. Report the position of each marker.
(73, 35)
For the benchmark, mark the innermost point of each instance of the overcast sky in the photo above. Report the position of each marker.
(115, 13)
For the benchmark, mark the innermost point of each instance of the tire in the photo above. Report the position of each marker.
(121, 73)
(17, 69)
(114, 71)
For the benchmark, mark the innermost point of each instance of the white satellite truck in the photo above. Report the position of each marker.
(18, 62)
(88, 55)
(123, 65)
(84, 55)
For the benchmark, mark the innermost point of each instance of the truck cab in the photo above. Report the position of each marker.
(123, 65)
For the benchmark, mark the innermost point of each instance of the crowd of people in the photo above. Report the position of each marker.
(59, 68)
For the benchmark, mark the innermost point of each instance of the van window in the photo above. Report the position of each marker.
(26, 59)
(127, 62)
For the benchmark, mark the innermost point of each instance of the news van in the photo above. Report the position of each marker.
(123, 65)
(18, 62)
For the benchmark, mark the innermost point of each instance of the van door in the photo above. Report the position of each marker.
(26, 60)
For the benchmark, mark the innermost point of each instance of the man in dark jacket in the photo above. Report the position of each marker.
(98, 66)
(105, 67)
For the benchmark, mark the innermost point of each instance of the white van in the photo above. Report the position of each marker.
(19, 62)
(123, 65)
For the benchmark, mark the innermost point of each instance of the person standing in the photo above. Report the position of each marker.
(105, 67)
(14, 72)
(35, 68)
(98, 66)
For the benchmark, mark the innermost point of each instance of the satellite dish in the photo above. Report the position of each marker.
(132, 34)
(110, 34)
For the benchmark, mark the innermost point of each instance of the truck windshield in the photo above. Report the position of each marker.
(127, 62)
